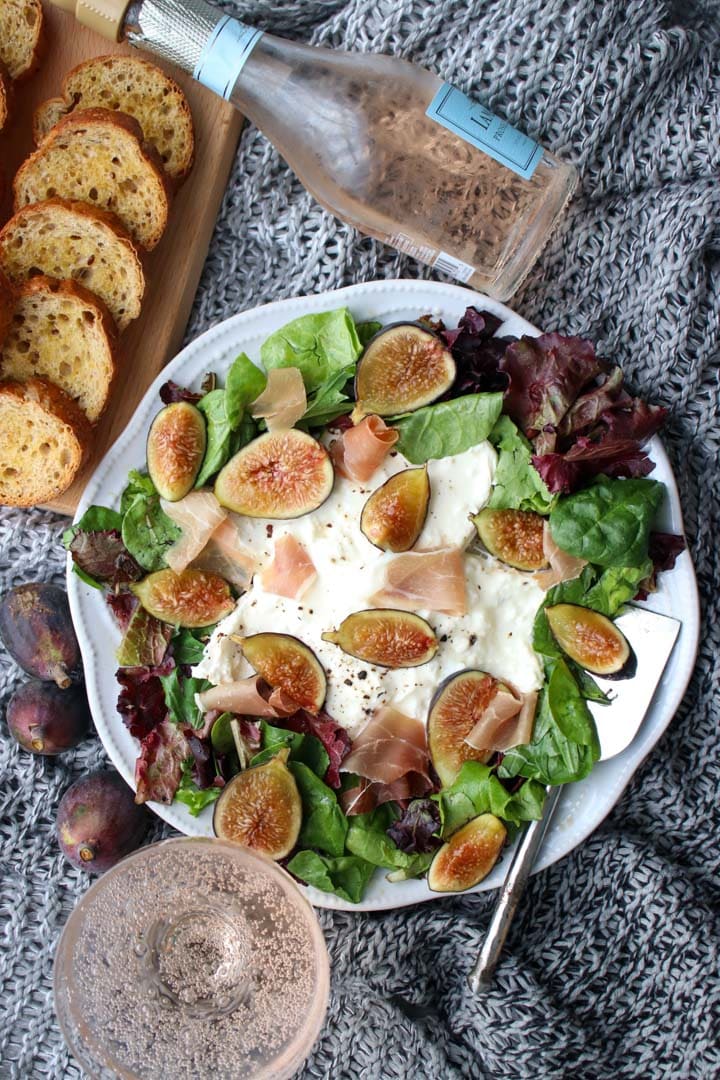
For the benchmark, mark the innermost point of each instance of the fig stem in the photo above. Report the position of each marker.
(60, 676)
(88, 851)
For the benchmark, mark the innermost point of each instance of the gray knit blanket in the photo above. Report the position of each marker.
(611, 970)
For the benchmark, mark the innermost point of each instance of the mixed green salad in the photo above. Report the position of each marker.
(571, 504)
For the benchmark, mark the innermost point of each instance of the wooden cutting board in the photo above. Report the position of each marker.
(173, 268)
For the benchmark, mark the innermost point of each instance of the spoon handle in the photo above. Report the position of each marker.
(511, 894)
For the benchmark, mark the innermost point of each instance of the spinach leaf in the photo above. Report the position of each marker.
(324, 825)
(448, 428)
(180, 691)
(367, 330)
(568, 708)
(306, 749)
(608, 523)
(518, 485)
(319, 345)
(346, 876)
(221, 735)
(186, 647)
(328, 401)
(195, 798)
(477, 790)
(219, 435)
(244, 382)
(367, 837)
(147, 531)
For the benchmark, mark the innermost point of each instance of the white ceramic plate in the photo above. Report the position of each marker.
(583, 805)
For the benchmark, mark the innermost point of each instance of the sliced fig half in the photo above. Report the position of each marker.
(404, 366)
(513, 536)
(468, 856)
(592, 641)
(393, 517)
(388, 638)
(175, 449)
(287, 664)
(282, 474)
(458, 704)
(190, 598)
(261, 808)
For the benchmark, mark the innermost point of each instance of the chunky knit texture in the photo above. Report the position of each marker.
(611, 971)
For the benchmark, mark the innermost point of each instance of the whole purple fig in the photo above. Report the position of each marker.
(37, 631)
(44, 719)
(99, 822)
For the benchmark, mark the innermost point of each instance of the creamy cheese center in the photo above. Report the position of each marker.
(495, 635)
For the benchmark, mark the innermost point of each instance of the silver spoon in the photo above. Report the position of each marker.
(652, 638)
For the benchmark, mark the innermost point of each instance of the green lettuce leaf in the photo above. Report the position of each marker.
(518, 485)
(616, 586)
(448, 428)
(147, 531)
(244, 382)
(329, 400)
(195, 798)
(608, 523)
(367, 838)
(347, 876)
(324, 826)
(477, 790)
(367, 330)
(319, 345)
(306, 749)
(187, 648)
(180, 694)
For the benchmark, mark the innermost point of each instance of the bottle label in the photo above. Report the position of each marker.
(456, 268)
(224, 55)
(477, 125)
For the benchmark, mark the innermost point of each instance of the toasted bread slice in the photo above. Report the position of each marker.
(45, 439)
(98, 157)
(21, 36)
(68, 240)
(60, 331)
(6, 95)
(7, 303)
(137, 89)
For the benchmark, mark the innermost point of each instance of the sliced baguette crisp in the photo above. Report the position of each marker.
(6, 96)
(98, 157)
(61, 332)
(68, 240)
(7, 304)
(133, 87)
(45, 439)
(21, 36)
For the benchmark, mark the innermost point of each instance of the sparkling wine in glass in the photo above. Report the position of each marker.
(192, 958)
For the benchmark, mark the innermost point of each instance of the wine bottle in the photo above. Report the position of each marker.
(383, 144)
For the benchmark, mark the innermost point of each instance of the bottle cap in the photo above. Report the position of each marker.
(105, 17)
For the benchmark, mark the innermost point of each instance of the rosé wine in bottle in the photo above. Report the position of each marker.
(383, 144)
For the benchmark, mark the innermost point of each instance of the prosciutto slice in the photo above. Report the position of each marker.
(198, 515)
(361, 449)
(563, 567)
(283, 401)
(291, 571)
(425, 581)
(368, 794)
(248, 697)
(224, 554)
(391, 757)
(506, 722)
